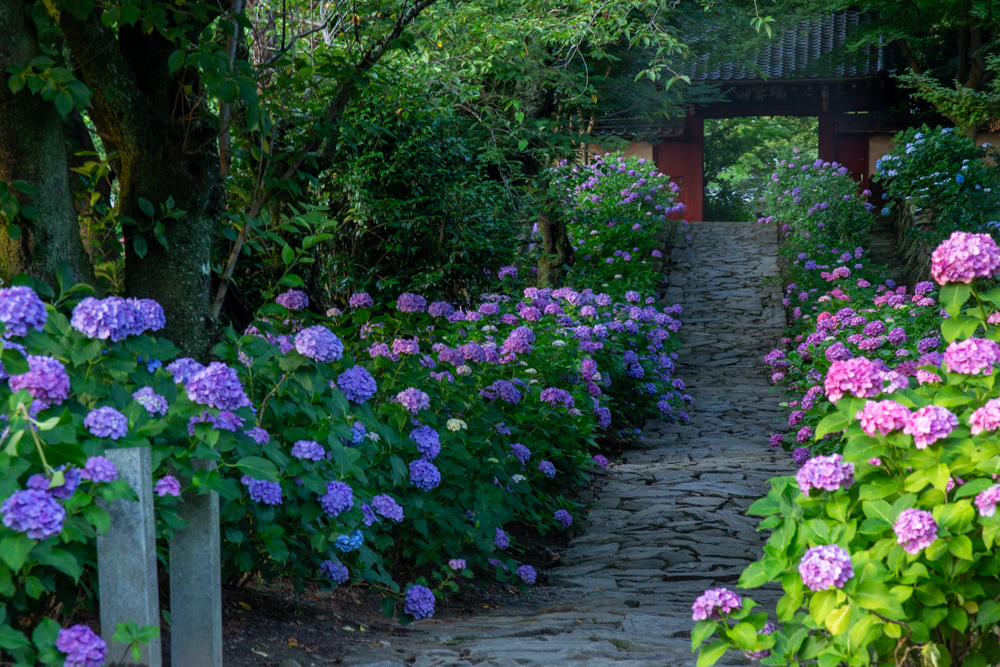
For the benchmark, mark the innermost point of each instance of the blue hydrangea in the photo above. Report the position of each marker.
(564, 518)
(106, 422)
(428, 442)
(263, 491)
(357, 384)
(259, 435)
(334, 570)
(338, 498)
(319, 344)
(20, 310)
(501, 539)
(520, 452)
(151, 401)
(357, 433)
(308, 449)
(527, 574)
(424, 475)
(71, 480)
(369, 514)
(217, 386)
(349, 542)
(547, 468)
(184, 369)
(34, 513)
(419, 602)
(388, 507)
(82, 647)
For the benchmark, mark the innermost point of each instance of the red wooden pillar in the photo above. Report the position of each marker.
(827, 132)
(683, 162)
(852, 152)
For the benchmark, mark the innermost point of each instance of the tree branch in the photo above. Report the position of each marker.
(908, 57)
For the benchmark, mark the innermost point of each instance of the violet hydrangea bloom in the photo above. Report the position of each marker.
(776, 438)
(262, 491)
(308, 450)
(962, 257)
(424, 475)
(428, 442)
(184, 369)
(217, 386)
(360, 300)
(564, 518)
(411, 303)
(986, 418)
(167, 486)
(357, 384)
(973, 356)
(825, 567)
(860, 377)
(986, 501)
(800, 455)
(387, 506)
(259, 435)
(99, 469)
(319, 344)
(714, 602)
(882, 417)
(601, 461)
(106, 422)
(71, 480)
(501, 539)
(81, 646)
(554, 397)
(151, 401)
(46, 380)
(339, 497)
(334, 570)
(527, 574)
(20, 310)
(419, 602)
(520, 452)
(413, 400)
(457, 564)
(547, 468)
(440, 309)
(825, 472)
(103, 319)
(34, 513)
(915, 530)
(293, 299)
(929, 424)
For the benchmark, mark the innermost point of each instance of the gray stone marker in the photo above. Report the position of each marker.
(196, 582)
(126, 559)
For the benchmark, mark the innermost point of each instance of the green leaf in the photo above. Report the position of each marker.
(14, 550)
(258, 468)
(703, 630)
(98, 516)
(12, 639)
(838, 620)
(961, 547)
(832, 423)
(46, 633)
(140, 246)
(745, 636)
(64, 103)
(60, 559)
(874, 595)
(146, 207)
(287, 255)
(710, 654)
(879, 509)
(958, 327)
(950, 396)
(989, 614)
(953, 296)
(175, 60)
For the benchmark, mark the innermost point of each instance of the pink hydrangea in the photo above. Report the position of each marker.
(986, 418)
(963, 257)
(987, 501)
(825, 472)
(915, 530)
(882, 417)
(859, 376)
(714, 602)
(974, 356)
(825, 567)
(929, 424)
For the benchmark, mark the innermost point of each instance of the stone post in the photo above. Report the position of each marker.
(196, 581)
(126, 559)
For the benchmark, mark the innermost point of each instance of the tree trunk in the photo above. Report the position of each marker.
(167, 149)
(557, 251)
(32, 149)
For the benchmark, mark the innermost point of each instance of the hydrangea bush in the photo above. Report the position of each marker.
(885, 550)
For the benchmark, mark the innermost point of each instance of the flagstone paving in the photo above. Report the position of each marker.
(670, 521)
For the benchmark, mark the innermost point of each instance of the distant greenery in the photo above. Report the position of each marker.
(741, 154)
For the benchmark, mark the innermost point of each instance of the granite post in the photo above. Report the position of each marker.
(126, 559)
(196, 581)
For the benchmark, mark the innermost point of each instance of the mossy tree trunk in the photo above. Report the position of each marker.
(32, 149)
(557, 251)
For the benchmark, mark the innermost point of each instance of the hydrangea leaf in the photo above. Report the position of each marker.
(14, 550)
(258, 468)
(702, 630)
(874, 595)
(953, 296)
(711, 654)
(745, 636)
(832, 423)
(838, 620)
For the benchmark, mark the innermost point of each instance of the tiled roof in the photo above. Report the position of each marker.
(797, 53)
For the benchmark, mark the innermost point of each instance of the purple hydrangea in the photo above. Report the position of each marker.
(360, 300)
(217, 386)
(167, 486)
(205, 417)
(262, 491)
(319, 344)
(504, 389)
(554, 397)
(309, 450)
(259, 435)
(973, 356)
(882, 417)
(859, 376)
(800, 455)
(33, 512)
(547, 468)
(153, 402)
(20, 310)
(714, 602)
(413, 400)
(601, 461)
(387, 506)
(424, 475)
(962, 257)
(428, 442)
(335, 569)
(776, 439)
(81, 646)
(293, 299)
(520, 452)
(457, 564)
(357, 384)
(71, 480)
(46, 380)
(527, 574)
(104, 319)
(419, 602)
(825, 472)
(986, 501)
(228, 421)
(501, 539)
(564, 518)
(930, 424)
(440, 309)
(99, 469)
(411, 303)
(986, 418)
(825, 567)
(915, 530)
(339, 497)
(184, 369)
(106, 422)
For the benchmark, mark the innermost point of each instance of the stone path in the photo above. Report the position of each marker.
(669, 523)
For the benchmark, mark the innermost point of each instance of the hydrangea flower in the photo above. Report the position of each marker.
(360, 300)
(387, 506)
(554, 397)
(413, 400)
(419, 602)
(527, 574)
(81, 646)
(99, 469)
(520, 452)
(915, 530)
(457, 564)
(825, 567)
(167, 486)
(335, 569)
(825, 472)
(262, 491)
(776, 439)
(151, 401)
(259, 435)
(34, 513)
(860, 377)
(882, 417)
(973, 356)
(800, 455)
(987, 501)
(106, 422)
(319, 344)
(547, 468)
(46, 380)
(338, 498)
(350, 542)
(714, 602)
(424, 475)
(411, 303)
(929, 424)
(601, 461)
(428, 442)
(501, 539)
(440, 309)
(184, 369)
(456, 425)
(962, 257)
(357, 384)
(293, 299)
(217, 386)
(20, 310)
(564, 518)
(71, 480)
(760, 655)
(504, 389)
(308, 450)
